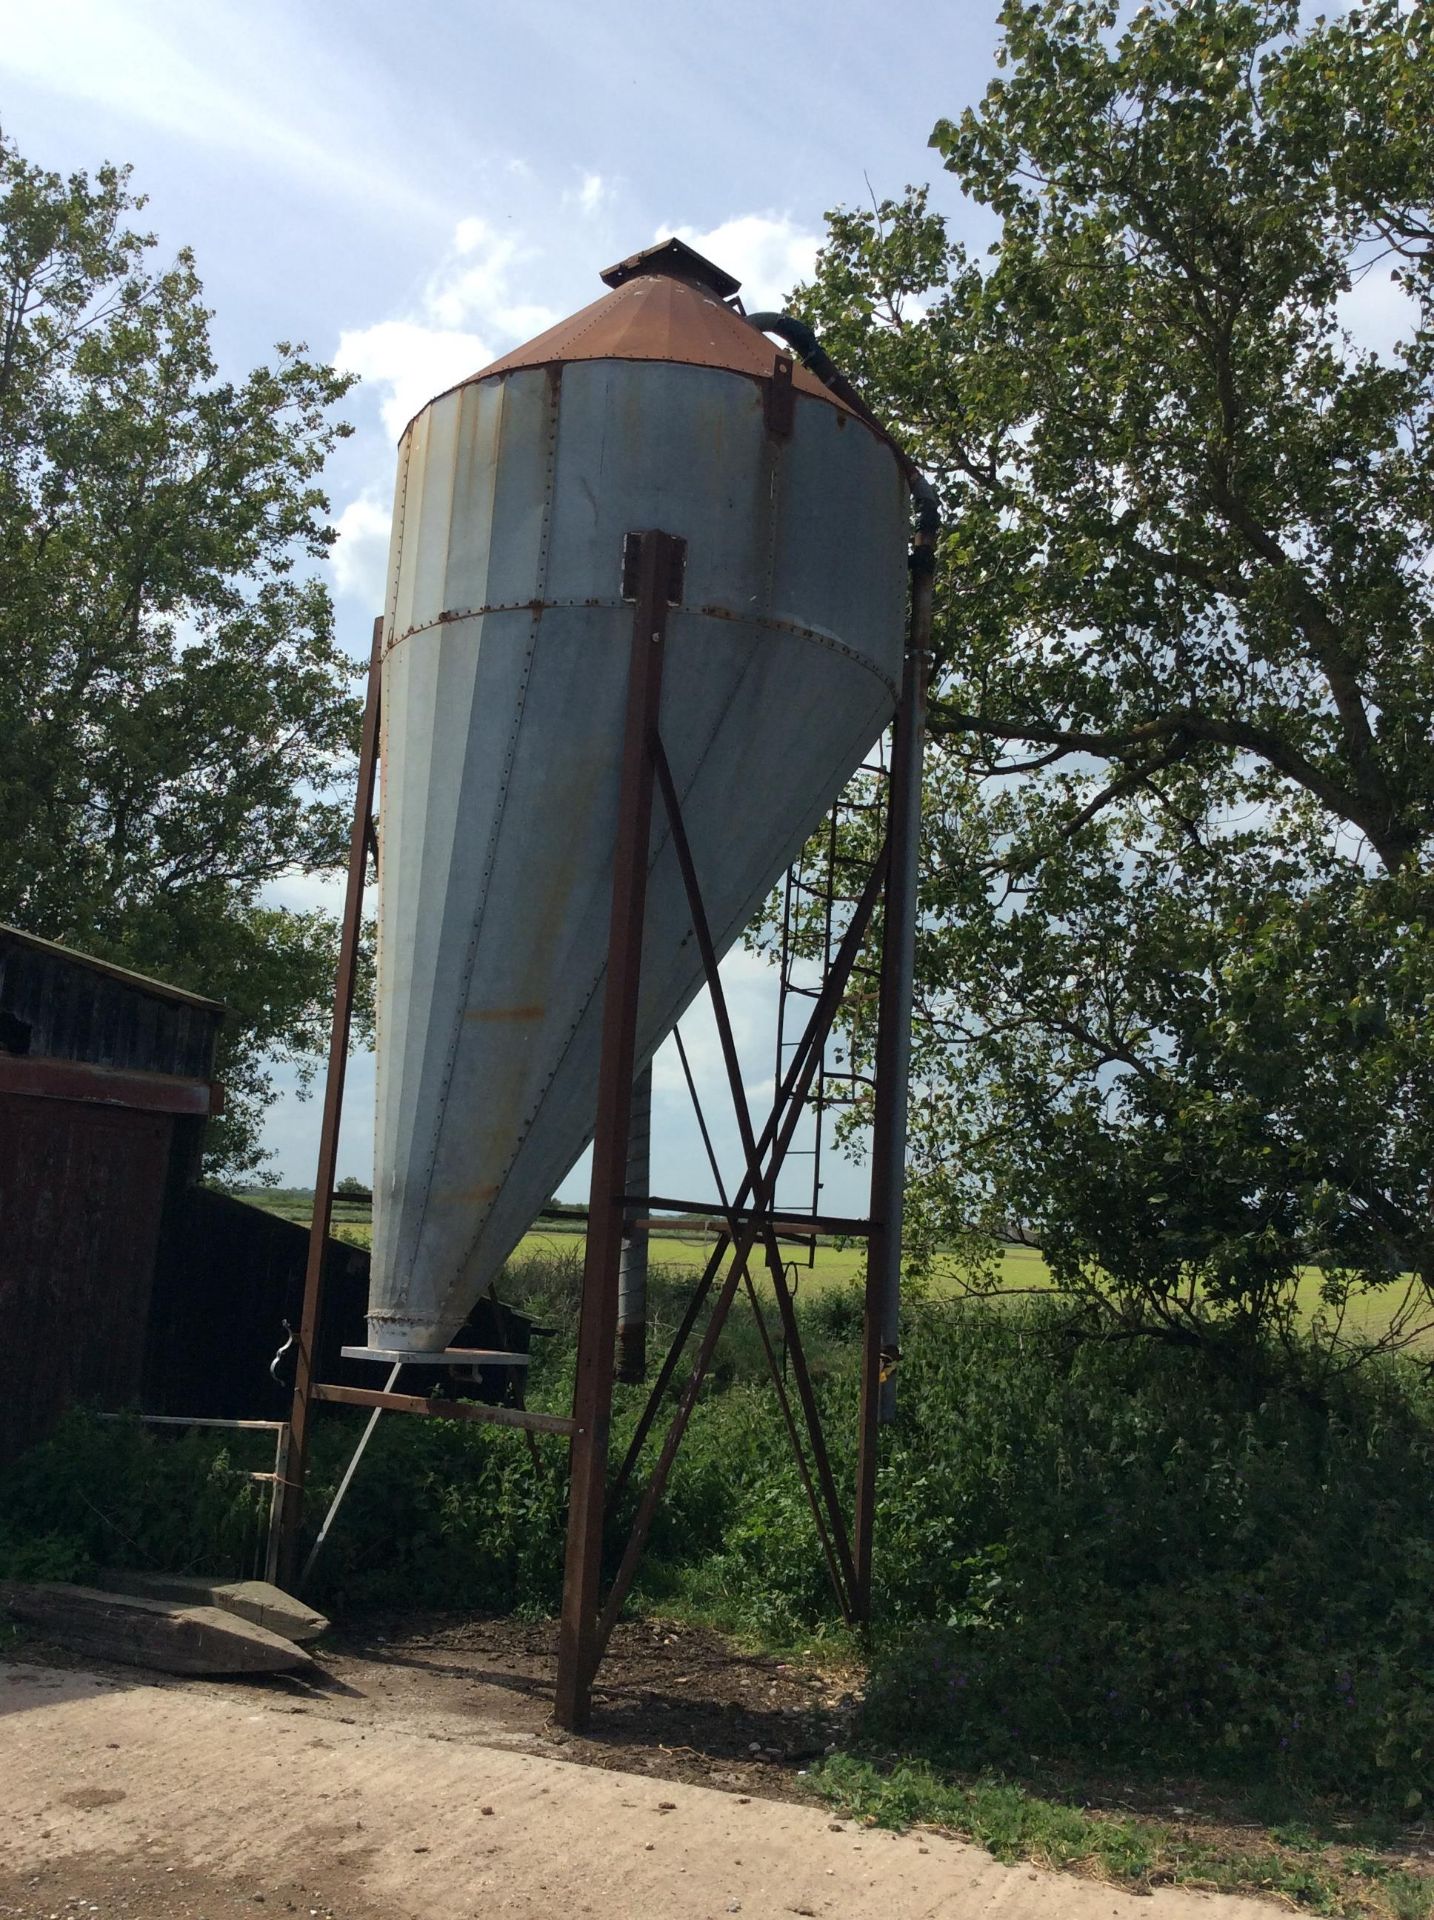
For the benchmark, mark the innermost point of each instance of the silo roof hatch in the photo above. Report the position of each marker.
(673, 257)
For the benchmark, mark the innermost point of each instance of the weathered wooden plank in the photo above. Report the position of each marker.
(149, 1633)
(109, 1086)
(257, 1600)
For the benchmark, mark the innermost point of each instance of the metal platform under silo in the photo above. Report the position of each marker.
(441, 1357)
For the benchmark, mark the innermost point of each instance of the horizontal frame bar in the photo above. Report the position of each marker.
(445, 1409)
(198, 1420)
(438, 1357)
(795, 1226)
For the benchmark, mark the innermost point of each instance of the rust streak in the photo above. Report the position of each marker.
(466, 1196)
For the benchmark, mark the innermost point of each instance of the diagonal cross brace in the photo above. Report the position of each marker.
(783, 1123)
(814, 1034)
(843, 1593)
(703, 933)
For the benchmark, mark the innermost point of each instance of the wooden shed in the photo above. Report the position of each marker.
(106, 1080)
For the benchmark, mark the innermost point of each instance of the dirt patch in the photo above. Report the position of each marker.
(674, 1702)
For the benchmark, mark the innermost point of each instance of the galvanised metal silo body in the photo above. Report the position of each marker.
(504, 681)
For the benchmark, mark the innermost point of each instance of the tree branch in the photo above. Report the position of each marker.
(1188, 722)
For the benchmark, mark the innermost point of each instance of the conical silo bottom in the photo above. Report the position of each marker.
(498, 877)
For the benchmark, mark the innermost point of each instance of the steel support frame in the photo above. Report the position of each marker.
(837, 1548)
(757, 1188)
(583, 1628)
(749, 1216)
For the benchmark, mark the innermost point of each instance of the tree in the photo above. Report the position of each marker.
(177, 722)
(1176, 970)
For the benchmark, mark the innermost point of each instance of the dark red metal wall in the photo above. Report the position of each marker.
(82, 1194)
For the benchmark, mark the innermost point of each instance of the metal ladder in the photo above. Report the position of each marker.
(814, 897)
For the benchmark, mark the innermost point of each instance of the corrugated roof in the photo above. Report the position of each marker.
(140, 981)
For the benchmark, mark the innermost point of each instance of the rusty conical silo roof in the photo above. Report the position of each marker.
(665, 305)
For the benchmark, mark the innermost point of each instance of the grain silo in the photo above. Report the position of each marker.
(652, 549)
(504, 681)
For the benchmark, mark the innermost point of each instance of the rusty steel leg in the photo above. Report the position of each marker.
(632, 1279)
(362, 837)
(881, 1318)
(592, 1389)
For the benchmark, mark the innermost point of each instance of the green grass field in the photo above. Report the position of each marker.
(1023, 1271)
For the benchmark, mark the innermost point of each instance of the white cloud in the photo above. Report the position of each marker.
(769, 253)
(410, 363)
(211, 76)
(473, 283)
(426, 351)
(593, 192)
(360, 555)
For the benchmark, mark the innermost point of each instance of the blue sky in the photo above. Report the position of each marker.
(413, 191)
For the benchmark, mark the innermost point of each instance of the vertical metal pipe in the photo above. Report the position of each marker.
(597, 1325)
(276, 1505)
(881, 1320)
(632, 1269)
(658, 1396)
(292, 1512)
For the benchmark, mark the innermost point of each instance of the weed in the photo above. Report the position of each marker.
(1013, 1823)
(1106, 1555)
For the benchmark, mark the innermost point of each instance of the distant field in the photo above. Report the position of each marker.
(352, 1222)
(1022, 1268)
